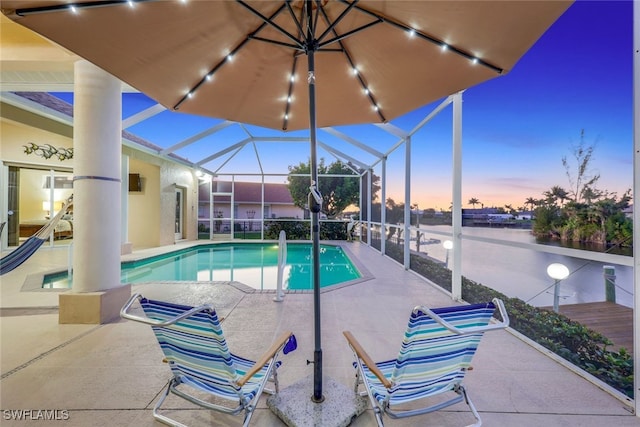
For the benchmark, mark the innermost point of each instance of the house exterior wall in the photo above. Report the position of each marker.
(286, 211)
(154, 221)
(14, 135)
(151, 212)
(247, 201)
(144, 226)
(279, 210)
(173, 175)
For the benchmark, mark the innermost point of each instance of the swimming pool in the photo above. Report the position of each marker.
(254, 264)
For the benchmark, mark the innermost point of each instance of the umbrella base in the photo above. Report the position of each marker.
(293, 405)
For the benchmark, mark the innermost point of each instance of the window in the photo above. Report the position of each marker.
(59, 181)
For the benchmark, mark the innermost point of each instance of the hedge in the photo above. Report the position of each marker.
(569, 339)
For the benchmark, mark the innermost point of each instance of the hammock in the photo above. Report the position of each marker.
(28, 248)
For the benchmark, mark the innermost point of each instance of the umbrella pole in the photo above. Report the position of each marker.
(314, 207)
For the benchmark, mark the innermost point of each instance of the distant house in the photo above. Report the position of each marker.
(247, 199)
(628, 211)
(484, 216)
(522, 215)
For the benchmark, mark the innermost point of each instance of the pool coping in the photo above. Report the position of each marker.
(33, 282)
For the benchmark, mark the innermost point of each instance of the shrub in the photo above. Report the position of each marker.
(300, 230)
(333, 231)
(296, 230)
(570, 340)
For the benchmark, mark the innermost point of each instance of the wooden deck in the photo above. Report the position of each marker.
(612, 320)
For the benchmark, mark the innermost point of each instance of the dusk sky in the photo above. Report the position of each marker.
(516, 128)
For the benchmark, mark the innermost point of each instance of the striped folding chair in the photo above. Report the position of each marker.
(196, 351)
(436, 353)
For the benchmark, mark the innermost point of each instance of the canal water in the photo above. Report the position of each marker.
(522, 273)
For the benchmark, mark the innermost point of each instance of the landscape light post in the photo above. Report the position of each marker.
(557, 272)
(448, 245)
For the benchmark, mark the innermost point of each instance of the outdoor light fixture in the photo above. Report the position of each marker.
(448, 245)
(557, 272)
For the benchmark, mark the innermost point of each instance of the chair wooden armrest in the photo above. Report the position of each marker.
(362, 355)
(268, 355)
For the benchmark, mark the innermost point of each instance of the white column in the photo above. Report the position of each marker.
(369, 202)
(383, 208)
(456, 210)
(97, 141)
(407, 203)
(636, 209)
(125, 245)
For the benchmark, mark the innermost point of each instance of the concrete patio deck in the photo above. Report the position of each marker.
(112, 374)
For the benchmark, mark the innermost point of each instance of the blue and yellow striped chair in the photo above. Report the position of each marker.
(200, 360)
(435, 355)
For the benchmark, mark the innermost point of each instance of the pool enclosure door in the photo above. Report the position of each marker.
(223, 215)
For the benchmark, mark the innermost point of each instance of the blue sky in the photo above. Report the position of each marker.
(516, 128)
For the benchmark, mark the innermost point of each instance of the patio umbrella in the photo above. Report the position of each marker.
(298, 64)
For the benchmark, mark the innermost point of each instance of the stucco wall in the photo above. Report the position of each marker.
(144, 225)
(14, 135)
(151, 212)
(158, 198)
(172, 176)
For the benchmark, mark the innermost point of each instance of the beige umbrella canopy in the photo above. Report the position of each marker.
(296, 64)
(406, 53)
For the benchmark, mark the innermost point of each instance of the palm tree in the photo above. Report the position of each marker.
(531, 202)
(556, 194)
(473, 202)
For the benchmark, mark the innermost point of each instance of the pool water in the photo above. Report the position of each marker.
(254, 264)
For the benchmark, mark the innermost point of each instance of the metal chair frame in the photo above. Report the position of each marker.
(267, 365)
(462, 327)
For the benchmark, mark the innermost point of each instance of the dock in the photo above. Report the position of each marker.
(612, 320)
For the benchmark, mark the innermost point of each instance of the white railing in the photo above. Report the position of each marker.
(282, 262)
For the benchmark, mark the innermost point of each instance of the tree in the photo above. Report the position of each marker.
(375, 187)
(395, 215)
(531, 202)
(556, 194)
(338, 192)
(473, 202)
(581, 180)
